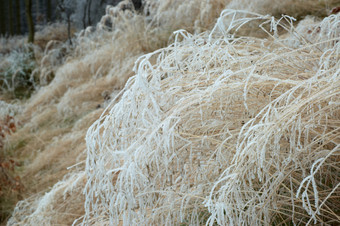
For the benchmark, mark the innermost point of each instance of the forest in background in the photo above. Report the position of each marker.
(13, 18)
(171, 112)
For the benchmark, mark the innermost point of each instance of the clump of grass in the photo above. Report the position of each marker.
(244, 127)
(24, 67)
(68, 189)
(101, 63)
(295, 8)
(9, 44)
(10, 182)
(55, 31)
(9, 109)
(16, 72)
(183, 116)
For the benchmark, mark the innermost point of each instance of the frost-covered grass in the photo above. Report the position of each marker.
(245, 129)
(230, 125)
(55, 119)
(9, 44)
(16, 72)
(24, 67)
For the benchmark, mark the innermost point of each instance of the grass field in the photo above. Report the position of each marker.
(190, 113)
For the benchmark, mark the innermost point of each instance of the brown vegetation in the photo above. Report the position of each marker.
(224, 125)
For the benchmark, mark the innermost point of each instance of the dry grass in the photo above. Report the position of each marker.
(43, 209)
(56, 31)
(218, 127)
(55, 119)
(9, 44)
(243, 129)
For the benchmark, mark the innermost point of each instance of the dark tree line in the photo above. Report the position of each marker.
(20, 17)
(13, 18)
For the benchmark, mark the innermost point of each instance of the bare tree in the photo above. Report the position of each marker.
(48, 10)
(3, 17)
(18, 16)
(28, 5)
(67, 8)
(87, 13)
(89, 2)
(84, 16)
(11, 18)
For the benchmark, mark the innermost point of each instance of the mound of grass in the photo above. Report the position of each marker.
(16, 73)
(219, 127)
(244, 128)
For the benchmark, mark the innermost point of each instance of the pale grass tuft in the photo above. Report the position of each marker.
(222, 130)
(41, 211)
(75, 89)
(8, 109)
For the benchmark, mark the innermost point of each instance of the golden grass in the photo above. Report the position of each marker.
(55, 119)
(245, 129)
(218, 127)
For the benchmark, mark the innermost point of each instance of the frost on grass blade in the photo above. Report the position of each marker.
(220, 129)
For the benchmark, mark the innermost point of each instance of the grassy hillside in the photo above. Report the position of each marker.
(190, 113)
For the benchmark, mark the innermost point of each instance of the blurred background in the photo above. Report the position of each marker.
(83, 13)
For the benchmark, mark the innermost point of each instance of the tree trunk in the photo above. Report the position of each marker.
(89, 13)
(69, 29)
(84, 15)
(2, 17)
(28, 4)
(11, 18)
(37, 12)
(18, 17)
(48, 10)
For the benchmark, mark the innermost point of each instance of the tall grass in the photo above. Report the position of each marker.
(244, 130)
(238, 125)
(55, 119)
